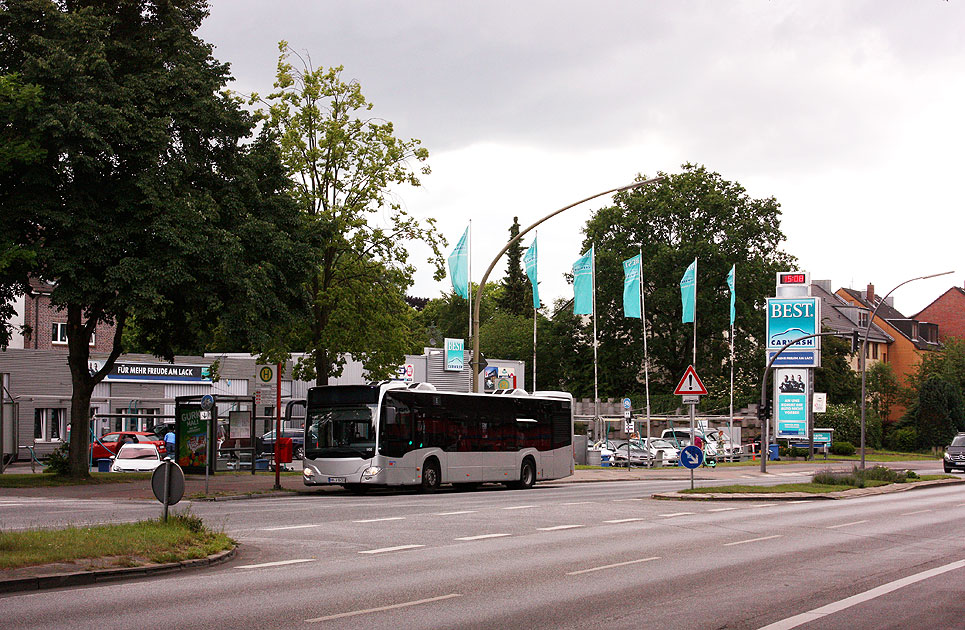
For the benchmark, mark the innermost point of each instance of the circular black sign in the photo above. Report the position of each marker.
(175, 483)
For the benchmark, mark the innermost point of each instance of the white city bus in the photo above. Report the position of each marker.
(410, 434)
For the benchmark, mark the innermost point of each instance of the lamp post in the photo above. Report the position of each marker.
(482, 283)
(864, 346)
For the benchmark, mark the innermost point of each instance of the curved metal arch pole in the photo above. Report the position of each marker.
(482, 283)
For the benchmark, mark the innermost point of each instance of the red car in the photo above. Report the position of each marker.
(110, 443)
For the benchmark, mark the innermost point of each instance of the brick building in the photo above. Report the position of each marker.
(45, 328)
(948, 311)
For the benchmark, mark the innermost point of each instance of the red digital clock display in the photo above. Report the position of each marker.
(793, 278)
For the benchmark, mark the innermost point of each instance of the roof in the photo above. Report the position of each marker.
(904, 325)
(957, 289)
(834, 316)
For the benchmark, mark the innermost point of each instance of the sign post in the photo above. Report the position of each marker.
(691, 389)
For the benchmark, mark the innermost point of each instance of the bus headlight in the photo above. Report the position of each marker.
(308, 473)
(372, 471)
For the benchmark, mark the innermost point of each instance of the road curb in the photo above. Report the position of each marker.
(84, 578)
(852, 493)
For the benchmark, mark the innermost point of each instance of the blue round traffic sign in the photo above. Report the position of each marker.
(626, 403)
(691, 457)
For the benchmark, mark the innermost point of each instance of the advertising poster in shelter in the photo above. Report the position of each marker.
(192, 438)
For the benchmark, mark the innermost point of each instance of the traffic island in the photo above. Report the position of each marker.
(790, 492)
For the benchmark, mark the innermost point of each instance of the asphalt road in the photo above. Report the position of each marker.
(601, 555)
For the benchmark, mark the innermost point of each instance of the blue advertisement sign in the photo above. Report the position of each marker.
(789, 319)
(455, 354)
(790, 409)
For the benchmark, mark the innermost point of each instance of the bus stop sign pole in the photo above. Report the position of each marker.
(277, 425)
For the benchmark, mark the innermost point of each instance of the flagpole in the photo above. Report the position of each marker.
(732, 391)
(469, 281)
(646, 355)
(596, 391)
(535, 236)
(695, 315)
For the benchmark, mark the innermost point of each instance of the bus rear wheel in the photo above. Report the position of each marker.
(431, 477)
(527, 477)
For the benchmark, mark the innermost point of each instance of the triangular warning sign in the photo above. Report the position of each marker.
(690, 384)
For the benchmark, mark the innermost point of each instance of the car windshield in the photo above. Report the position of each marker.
(340, 432)
(958, 440)
(660, 443)
(137, 452)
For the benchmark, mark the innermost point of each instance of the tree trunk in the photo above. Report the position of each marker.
(82, 386)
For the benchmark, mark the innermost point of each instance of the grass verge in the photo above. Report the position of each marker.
(810, 488)
(183, 537)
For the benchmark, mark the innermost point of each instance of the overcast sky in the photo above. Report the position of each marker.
(849, 113)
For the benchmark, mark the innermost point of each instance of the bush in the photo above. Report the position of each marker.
(911, 474)
(830, 478)
(904, 440)
(843, 448)
(58, 462)
(880, 473)
(846, 422)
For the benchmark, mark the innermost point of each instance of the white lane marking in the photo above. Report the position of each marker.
(677, 514)
(799, 501)
(915, 512)
(454, 513)
(384, 608)
(275, 564)
(789, 474)
(744, 542)
(11, 504)
(557, 527)
(483, 536)
(388, 549)
(278, 529)
(625, 500)
(612, 566)
(722, 509)
(848, 602)
(624, 520)
(847, 524)
(519, 507)
(747, 477)
(585, 503)
(379, 520)
(763, 505)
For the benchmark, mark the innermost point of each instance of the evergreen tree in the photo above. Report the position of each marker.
(516, 298)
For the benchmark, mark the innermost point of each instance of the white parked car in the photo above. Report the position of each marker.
(660, 450)
(136, 458)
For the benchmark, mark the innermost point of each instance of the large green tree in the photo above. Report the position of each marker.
(691, 214)
(143, 201)
(344, 163)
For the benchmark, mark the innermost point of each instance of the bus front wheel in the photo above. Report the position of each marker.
(527, 477)
(431, 477)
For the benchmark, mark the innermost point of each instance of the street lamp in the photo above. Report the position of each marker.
(482, 283)
(864, 345)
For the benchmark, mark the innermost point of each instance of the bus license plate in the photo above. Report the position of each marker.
(336, 480)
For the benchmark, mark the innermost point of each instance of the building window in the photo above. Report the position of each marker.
(58, 334)
(50, 425)
(874, 351)
(863, 318)
(140, 422)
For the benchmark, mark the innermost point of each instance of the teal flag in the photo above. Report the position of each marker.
(529, 260)
(688, 292)
(583, 284)
(459, 266)
(733, 294)
(631, 286)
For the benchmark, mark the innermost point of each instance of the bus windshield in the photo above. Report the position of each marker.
(340, 432)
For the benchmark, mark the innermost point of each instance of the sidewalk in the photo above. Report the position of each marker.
(241, 485)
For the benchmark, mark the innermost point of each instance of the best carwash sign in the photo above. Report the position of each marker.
(789, 319)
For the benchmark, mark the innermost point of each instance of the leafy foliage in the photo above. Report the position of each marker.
(343, 165)
(139, 198)
(695, 213)
(835, 375)
(845, 419)
(939, 412)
